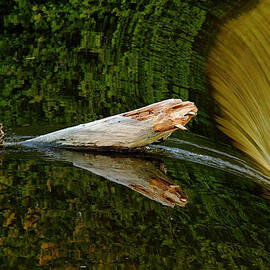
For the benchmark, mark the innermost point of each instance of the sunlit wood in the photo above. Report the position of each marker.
(127, 131)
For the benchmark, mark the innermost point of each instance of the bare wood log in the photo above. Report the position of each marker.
(2, 135)
(127, 131)
(141, 175)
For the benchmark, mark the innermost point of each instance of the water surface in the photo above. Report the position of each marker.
(73, 210)
(191, 203)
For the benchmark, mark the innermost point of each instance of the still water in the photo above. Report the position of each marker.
(170, 208)
(193, 202)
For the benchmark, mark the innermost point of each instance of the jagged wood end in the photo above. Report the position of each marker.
(129, 131)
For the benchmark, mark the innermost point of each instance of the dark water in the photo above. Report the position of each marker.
(71, 62)
(59, 209)
(67, 62)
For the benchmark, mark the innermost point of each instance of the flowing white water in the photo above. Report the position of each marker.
(239, 70)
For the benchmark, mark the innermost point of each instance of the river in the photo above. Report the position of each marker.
(193, 202)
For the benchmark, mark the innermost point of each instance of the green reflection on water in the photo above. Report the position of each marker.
(56, 216)
(72, 62)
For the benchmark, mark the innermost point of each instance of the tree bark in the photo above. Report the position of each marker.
(129, 131)
(2, 135)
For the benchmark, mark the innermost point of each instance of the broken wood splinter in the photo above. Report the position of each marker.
(129, 131)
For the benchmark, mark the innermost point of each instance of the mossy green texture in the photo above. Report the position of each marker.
(76, 61)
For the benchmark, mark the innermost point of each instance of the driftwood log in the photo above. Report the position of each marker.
(2, 135)
(123, 132)
(145, 176)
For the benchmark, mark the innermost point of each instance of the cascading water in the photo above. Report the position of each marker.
(239, 70)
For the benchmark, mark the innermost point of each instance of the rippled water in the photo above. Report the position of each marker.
(193, 202)
(189, 203)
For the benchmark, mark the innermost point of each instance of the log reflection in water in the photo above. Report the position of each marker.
(141, 175)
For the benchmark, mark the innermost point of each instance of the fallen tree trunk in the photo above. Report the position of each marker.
(2, 135)
(123, 132)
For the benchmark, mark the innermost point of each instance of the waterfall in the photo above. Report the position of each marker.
(239, 71)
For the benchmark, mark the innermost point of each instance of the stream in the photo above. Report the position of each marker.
(193, 202)
(188, 201)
